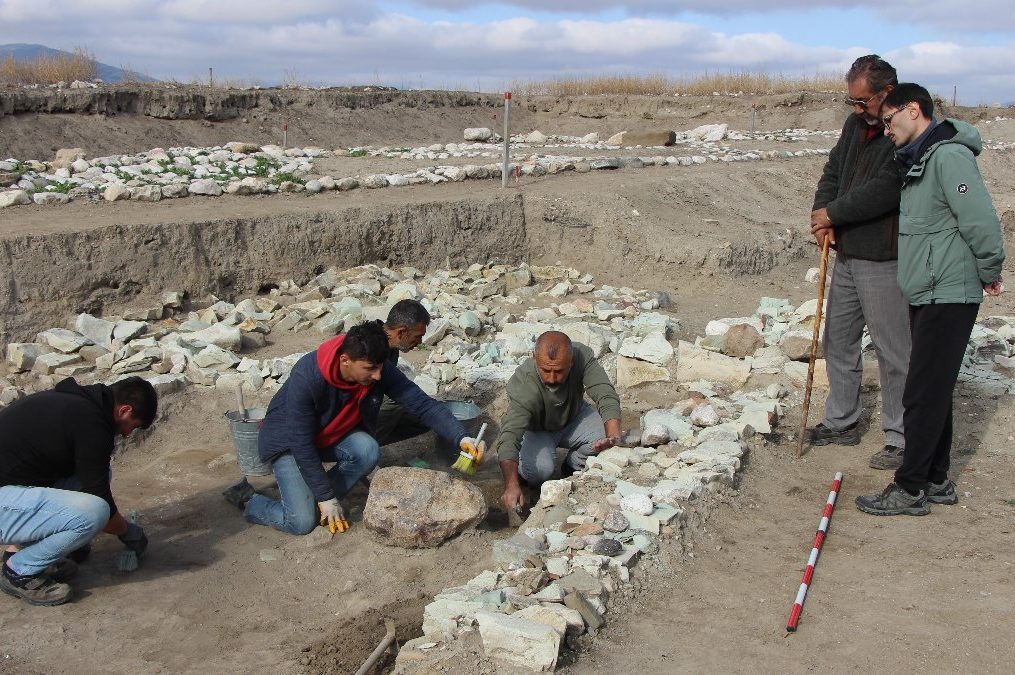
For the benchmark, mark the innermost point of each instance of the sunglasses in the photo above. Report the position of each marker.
(852, 102)
(887, 119)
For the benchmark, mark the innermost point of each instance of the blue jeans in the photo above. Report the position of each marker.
(538, 456)
(356, 455)
(48, 523)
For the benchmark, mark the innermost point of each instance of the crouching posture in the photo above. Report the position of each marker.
(547, 410)
(327, 412)
(55, 496)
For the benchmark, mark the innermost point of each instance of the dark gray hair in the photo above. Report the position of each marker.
(407, 314)
(878, 72)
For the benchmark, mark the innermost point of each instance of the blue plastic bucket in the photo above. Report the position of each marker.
(243, 427)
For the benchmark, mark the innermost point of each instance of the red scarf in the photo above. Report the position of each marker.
(348, 416)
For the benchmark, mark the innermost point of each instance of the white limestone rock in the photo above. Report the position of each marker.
(63, 340)
(478, 134)
(521, 643)
(204, 186)
(652, 348)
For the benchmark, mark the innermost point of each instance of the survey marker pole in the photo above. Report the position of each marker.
(504, 171)
(812, 560)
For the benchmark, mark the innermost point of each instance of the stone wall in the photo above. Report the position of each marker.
(46, 278)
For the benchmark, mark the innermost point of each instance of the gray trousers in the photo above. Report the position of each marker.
(538, 455)
(864, 292)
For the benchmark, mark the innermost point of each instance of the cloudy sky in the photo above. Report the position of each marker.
(474, 44)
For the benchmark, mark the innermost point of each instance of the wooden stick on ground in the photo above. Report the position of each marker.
(814, 346)
(389, 637)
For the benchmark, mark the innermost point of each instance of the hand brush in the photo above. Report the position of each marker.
(128, 560)
(466, 462)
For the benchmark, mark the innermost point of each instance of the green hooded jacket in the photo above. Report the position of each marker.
(949, 235)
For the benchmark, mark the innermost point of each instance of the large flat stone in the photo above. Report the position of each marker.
(420, 508)
(522, 643)
(650, 137)
(695, 363)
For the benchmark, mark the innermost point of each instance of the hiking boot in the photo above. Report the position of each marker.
(889, 458)
(238, 495)
(894, 501)
(942, 493)
(822, 435)
(62, 570)
(36, 589)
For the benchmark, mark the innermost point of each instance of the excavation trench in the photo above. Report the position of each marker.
(47, 278)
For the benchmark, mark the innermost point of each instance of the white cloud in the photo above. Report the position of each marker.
(357, 43)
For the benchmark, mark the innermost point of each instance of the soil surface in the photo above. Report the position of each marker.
(215, 594)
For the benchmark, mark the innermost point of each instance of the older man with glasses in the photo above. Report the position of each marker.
(856, 207)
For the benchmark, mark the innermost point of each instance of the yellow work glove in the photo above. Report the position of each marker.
(474, 449)
(333, 516)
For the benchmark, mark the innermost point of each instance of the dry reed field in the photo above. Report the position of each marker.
(49, 69)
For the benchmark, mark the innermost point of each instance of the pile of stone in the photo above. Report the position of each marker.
(247, 169)
(485, 322)
(235, 168)
(555, 578)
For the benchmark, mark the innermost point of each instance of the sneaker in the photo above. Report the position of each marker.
(894, 501)
(888, 458)
(36, 589)
(238, 495)
(822, 435)
(942, 493)
(62, 570)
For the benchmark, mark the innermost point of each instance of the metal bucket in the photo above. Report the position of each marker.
(465, 412)
(243, 427)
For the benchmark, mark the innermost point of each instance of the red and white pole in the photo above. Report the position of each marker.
(819, 539)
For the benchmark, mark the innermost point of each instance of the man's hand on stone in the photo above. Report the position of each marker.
(604, 444)
(513, 498)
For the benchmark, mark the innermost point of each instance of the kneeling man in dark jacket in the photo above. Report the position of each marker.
(55, 449)
(327, 412)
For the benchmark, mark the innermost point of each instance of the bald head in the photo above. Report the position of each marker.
(554, 357)
(553, 345)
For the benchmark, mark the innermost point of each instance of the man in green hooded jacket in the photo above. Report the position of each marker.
(950, 254)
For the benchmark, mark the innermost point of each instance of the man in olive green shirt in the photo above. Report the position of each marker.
(547, 410)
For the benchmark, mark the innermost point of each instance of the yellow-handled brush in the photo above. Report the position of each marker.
(470, 458)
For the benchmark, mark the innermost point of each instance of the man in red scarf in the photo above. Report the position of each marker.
(327, 412)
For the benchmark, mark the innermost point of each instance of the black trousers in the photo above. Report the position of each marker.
(940, 335)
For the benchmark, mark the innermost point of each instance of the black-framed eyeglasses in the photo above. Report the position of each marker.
(852, 102)
(887, 119)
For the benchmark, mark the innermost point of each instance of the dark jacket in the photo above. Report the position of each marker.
(306, 403)
(950, 240)
(67, 431)
(860, 187)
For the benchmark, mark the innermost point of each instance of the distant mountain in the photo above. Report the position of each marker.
(106, 73)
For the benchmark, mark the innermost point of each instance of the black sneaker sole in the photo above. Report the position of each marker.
(946, 500)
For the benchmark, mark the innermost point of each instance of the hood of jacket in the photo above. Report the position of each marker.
(948, 131)
(98, 394)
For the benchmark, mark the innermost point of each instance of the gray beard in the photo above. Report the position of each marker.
(552, 389)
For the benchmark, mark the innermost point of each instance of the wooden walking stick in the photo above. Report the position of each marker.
(814, 345)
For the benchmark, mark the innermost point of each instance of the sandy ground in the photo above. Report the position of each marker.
(218, 595)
